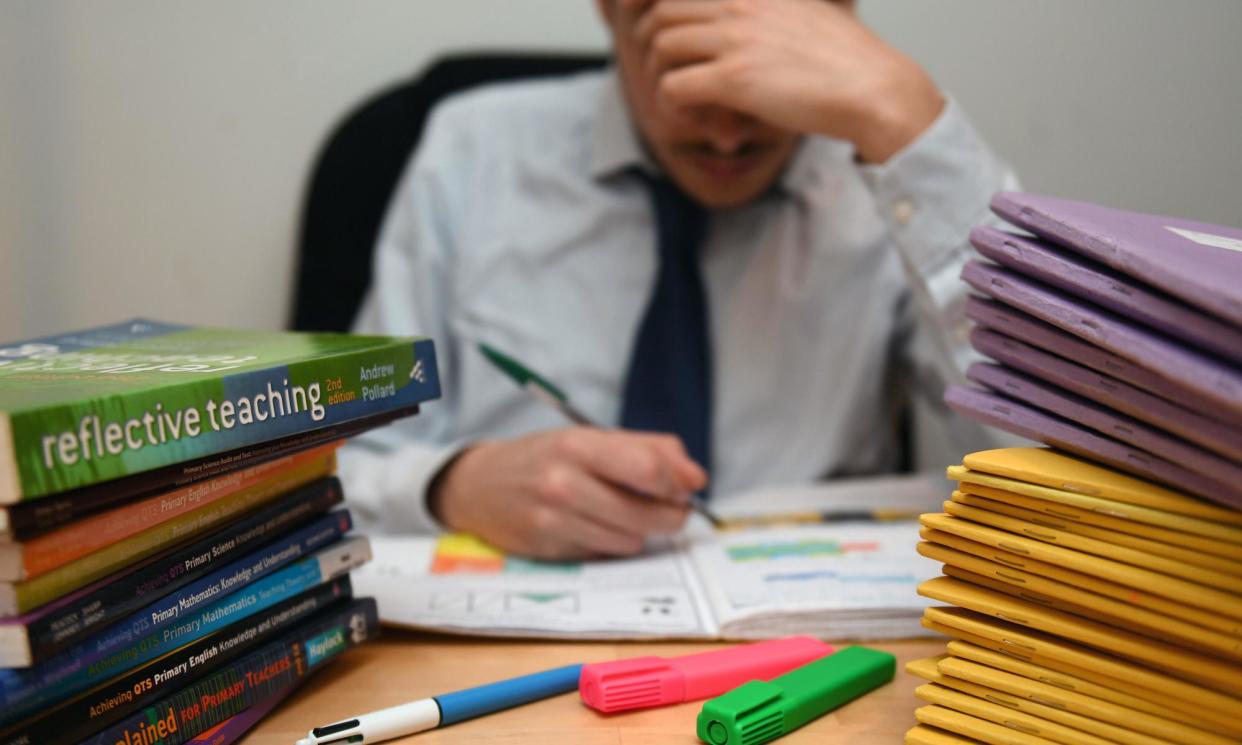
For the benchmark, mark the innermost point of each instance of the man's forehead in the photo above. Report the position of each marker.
(638, 4)
(636, 8)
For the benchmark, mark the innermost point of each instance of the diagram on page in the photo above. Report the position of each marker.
(852, 579)
(834, 581)
(457, 583)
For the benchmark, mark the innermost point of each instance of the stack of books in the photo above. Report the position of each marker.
(1094, 587)
(173, 558)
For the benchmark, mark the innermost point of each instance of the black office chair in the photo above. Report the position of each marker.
(358, 168)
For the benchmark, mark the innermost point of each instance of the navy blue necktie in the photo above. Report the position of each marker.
(668, 386)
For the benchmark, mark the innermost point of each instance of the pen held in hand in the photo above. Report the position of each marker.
(548, 392)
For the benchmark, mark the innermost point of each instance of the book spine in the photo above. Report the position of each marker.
(59, 547)
(172, 608)
(10, 474)
(235, 727)
(56, 448)
(23, 691)
(248, 681)
(65, 579)
(35, 517)
(114, 700)
(53, 630)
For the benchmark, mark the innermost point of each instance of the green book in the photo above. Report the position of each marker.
(92, 406)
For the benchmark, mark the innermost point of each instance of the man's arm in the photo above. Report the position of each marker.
(811, 66)
(387, 471)
(930, 195)
(559, 494)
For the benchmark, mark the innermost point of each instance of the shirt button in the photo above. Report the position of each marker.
(903, 211)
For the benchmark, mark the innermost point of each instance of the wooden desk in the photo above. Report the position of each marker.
(402, 666)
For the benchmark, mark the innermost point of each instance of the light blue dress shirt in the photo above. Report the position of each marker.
(516, 224)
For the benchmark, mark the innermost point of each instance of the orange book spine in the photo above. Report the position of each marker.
(59, 547)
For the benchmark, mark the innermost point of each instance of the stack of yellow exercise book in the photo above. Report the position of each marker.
(1084, 607)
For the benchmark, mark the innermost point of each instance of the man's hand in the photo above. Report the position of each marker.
(570, 493)
(803, 65)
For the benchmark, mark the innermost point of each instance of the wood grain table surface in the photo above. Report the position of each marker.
(402, 666)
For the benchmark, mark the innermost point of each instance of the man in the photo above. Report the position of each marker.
(841, 186)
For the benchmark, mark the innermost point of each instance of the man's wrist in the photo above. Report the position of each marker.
(447, 479)
(892, 120)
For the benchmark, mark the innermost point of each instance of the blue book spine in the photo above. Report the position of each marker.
(173, 607)
(252, 679)
(67, 623)
(22, 691)
(100, 707)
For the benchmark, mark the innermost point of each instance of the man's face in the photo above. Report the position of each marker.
(719, 157)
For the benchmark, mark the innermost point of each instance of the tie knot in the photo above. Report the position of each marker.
(680, 221)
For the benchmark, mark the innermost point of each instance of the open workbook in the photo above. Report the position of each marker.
(847, 580)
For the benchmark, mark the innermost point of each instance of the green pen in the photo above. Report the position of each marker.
(548, 392)
(761, 711)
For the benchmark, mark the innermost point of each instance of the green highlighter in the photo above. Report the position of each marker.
(760, 711)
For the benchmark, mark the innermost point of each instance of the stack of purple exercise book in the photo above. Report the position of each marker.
(1113, 335)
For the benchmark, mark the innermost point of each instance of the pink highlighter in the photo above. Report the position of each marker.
(643, 682)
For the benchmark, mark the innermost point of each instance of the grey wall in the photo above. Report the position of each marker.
(153, 152)
(1135, 103)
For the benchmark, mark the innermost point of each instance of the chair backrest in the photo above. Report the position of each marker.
(358, 168)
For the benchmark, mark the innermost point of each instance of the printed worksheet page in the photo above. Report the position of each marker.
(846, 580)
(835, 581)
(456, 583)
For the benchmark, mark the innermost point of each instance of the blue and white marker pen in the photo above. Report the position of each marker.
(446, 709)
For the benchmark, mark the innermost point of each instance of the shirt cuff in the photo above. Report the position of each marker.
(934, 190)
(386, 489)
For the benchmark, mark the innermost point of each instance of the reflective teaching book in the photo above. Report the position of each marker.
(98, 405)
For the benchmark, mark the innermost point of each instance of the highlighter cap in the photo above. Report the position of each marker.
(636, 683)
(642, 682)
(759, 711)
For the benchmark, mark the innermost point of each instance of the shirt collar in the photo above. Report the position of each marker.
(617, 147)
